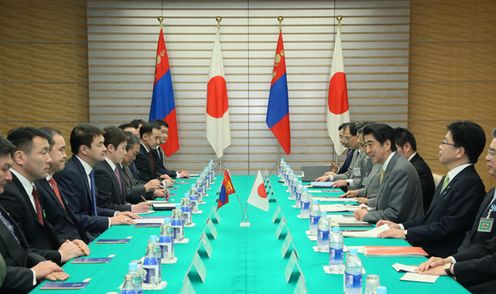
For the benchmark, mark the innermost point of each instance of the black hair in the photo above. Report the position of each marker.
(126, 125)
(6, 147)
(114, 135)
(22, 138)
(160, 123)
(381, 133)
(51, 132)
(131, 140)
(470, 136)
(343, 126)
(494, 133)
(83, 135)
(403, 136)
(147, 128)
(136, 123)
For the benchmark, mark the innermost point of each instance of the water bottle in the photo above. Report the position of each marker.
(353, 273)
(166, 242)
(136, 277)
(292, 187)
(193, 200)
(314, 217)
(128, 286)
(336, 251)
(299, 189)
(305, 204)
(150, 267)
(186, 210)
(177, 225)
(153, 240)
(323, 232)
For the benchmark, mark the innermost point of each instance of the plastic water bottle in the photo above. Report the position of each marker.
(135, 277)
(336, 251)
(177, 225)
(153, 240)
(323, 232)
(186, 210)
(166, 242)
(353, 273)
(151, 267)
(314, 216)
(194, 201)
(305, 204)
(299, 190)
(128, 286)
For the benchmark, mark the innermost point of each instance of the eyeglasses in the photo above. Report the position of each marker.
(444, 142)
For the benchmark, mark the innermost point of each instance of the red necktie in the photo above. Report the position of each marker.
(55, 188)
(37, 205)
(152, 163)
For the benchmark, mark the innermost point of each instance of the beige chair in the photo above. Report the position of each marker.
(437, 179)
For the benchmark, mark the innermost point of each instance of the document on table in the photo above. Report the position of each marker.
(405, 268)
(394, 251)
(149, 221)
(334, 199)
(367, 234)
(321, 184)
(347, 221)
(164, 206)
(414, 277)
(337, 207)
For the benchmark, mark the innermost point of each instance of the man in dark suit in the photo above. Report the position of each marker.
(406, 145)
(400, 194)
(487, 209)
(56, 208)
(110, 189)
(160, 155)
(145, 160)
(135, 191)
(24, 267)
(21, 198)
(456, 200)
(77, 181)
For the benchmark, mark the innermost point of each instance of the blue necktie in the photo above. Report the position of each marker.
(93, 193)
(9, 227)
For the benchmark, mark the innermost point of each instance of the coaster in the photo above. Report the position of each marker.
(169, 261)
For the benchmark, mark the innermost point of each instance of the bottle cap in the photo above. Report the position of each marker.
(381, 290)
(133, 266)
(352, 251)
(336, 229)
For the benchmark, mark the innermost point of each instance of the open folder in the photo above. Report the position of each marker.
(394, 251)
(367, 234)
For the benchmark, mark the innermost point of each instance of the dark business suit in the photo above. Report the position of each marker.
(110, 193)
(473, 237)
(475, 267)
(347, 161)
(17, 203)
(133, 190)
(450, 215)
(60, 217)
(73, 184)
(400, 194)
(146, 165)
(426, 179)
(160, 160)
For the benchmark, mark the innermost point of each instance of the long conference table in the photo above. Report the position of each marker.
(242, 260)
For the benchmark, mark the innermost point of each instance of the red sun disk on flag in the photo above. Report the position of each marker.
(338, 94)
(261, 191)
(217, 88)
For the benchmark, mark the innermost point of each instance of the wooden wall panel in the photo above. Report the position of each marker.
(452, 72)
(43, 64)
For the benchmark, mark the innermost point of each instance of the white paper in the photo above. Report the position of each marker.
(405, 268)
(367, 234)
(414, 277)
(341, 220)
(315, 191)
(165, 205)
(335, 199)
(337, 207)
(149, 220)
(321, 184)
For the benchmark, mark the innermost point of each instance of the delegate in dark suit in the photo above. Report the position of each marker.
(450, 215)
(475, 267)
(73, 184)
(109, 191)
(426, 180)
(18, 256)
(473, 236)
(146, 165)
(41, 236)
(159, 159)
(133, 190)
(60, 217)
(400, 194)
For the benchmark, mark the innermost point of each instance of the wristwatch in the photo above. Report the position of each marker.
(448, 268)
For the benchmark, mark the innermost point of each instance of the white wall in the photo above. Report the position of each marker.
(122, 38)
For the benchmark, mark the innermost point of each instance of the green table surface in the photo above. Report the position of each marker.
(244, 260)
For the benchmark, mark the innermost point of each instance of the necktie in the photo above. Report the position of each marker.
(382, 175)
(118, 176)
(153, 164)
(9, 226)
(93, 192)
(445, 183)
(55, 189)
(37, 205)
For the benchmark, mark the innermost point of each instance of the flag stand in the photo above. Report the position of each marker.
(245, 223)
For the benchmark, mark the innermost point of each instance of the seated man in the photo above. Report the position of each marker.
(21, 198)
(452, 211)
(400, 193)
(135, 191)
(24, 267)
(110, 189)
(77, 182)
(56, 208)
(160, 156)
(406, 145)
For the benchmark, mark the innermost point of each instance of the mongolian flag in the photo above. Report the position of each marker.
(226, 189)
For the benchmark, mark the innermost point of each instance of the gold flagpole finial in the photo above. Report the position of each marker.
(160, 20)
(339, 18)
(218, 19)
(280, 19)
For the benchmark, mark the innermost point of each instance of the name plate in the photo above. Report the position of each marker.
(216, 216)
(187, 286)
(276, 214)
(286, 244)
(293, 260)
(206, 244)
(211, 228)
(301, 286)
(280, 228)
(200, 267)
